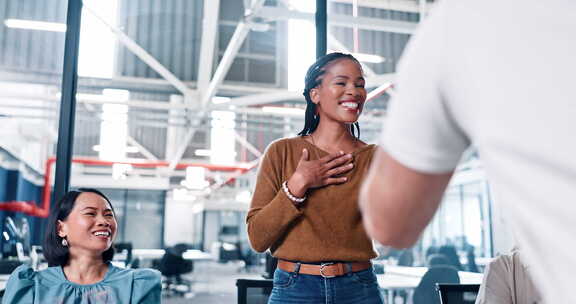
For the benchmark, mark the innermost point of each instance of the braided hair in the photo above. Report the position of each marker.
(312, 80)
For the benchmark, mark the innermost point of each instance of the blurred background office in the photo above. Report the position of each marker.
(175, 102)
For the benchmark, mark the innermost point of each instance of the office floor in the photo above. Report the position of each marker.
(214, 283)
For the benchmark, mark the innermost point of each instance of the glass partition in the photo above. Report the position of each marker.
(375, 32)
(176, 100)
(32, 35)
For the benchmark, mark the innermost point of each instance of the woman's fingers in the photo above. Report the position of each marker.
(331, 157)
(322, 172)
(338, 161)
(340, 170)
(304, 156)
(334, 180)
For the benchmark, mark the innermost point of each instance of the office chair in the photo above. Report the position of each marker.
(172, 265)
(426, 292)
(127, 247)
(457, 293)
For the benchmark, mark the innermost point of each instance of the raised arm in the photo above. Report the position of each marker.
(397, 202)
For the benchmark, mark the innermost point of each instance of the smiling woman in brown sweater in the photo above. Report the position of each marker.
(305, 205)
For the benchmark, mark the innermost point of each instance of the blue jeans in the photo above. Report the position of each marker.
(353, 288)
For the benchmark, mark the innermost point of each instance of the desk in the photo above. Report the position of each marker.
(147, 255)
(408, 278)
(197, 255)
(191, 254)
(244, 284)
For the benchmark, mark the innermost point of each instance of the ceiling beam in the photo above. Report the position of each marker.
(335, 43)
(246, 144)
(233, 46)
(379, 79)
(143, 54)
(375, 80)
(242, 30)
(208, 43)
(149, 155)
(365, 23)
(393, 5)
(184, 144)
(264, 98)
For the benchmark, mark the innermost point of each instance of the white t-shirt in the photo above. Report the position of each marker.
(500, 74)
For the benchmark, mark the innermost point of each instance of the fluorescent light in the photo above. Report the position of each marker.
(110, 95)
(88, 97)
(97, 53)
(132, 149)
(113, 131)
(306, 6)
(283, 110)
(120, 171)
(369, 58)
(222, 138)
(182, 194)
(220, 99)
(203, 152)
(300, 32)
(116, 94)
(129, 149)
(195, 178)
(35, 25)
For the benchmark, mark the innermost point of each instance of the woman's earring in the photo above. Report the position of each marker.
(64, 242)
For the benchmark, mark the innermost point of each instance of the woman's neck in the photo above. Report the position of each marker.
(85, 269)
(334, 137)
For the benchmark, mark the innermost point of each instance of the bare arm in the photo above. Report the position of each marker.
(397, 202)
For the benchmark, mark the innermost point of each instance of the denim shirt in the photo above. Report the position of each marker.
(119, 286)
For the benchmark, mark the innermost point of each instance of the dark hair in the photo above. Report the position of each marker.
(55, 253)
(311, 81)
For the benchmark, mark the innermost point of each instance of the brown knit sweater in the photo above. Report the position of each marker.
(327, 228)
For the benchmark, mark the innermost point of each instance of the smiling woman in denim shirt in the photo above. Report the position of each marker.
(78, 246)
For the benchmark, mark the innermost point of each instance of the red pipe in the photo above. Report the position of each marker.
(95, 162)
(26, 207)
(31, 208)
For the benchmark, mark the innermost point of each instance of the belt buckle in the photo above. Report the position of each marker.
(322, 268)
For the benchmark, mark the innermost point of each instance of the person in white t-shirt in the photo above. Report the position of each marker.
(507, 280)
(497, 74)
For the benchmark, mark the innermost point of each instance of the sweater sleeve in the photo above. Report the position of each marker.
(271, 211)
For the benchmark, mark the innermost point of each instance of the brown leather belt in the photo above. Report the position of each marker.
(327, 270)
